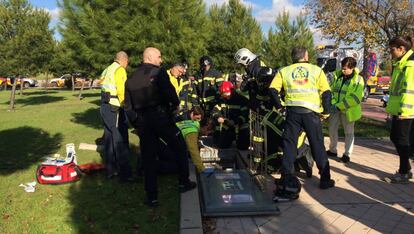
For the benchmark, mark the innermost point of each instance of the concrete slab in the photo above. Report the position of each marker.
(190, 216)
(93, 147)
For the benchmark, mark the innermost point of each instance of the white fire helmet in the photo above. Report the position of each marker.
(244, 56)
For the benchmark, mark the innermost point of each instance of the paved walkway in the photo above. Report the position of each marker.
(360, 203)
(373, 108)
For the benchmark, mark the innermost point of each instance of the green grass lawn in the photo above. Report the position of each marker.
(41, 124)
(364, 128)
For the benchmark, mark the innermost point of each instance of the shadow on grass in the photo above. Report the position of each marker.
(39, 92)
(38, 100)
(96, 102)
(88, 95)
(24, 146)
(101, 205)
(366, 127)
(90, 118)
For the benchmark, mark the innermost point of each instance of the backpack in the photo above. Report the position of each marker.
(59, 171)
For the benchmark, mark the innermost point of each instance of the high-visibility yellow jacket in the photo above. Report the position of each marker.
(178, 86)
(401, 101)
(186, 93)
(303, 84)
(114, 83)
(347, 95)
(188, 126)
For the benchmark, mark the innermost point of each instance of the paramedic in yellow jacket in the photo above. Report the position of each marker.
(347, 92)
(401, 105)
(116, 146)
(307, 98)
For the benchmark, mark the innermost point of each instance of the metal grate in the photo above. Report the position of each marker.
(258, 146)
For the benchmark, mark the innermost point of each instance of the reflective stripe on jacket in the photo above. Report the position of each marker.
(111, 81)
(303, 83)
(188, 126)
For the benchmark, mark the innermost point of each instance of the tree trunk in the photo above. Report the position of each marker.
(21, 86)
(364, 71)
(80, 91)
(13, 95)
(73, 84)
(47, 81)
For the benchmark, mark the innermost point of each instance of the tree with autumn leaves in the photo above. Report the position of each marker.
(372, 22)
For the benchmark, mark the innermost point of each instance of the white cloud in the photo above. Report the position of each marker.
(54, 13)
(266, 15)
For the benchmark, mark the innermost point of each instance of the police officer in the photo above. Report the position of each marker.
(208, 81)
(115, 139)
(231, 115)
(150, 101)
(401, 105)
(307, 94)
(347, 93)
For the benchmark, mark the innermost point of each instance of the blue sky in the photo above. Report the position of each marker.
(265, 11)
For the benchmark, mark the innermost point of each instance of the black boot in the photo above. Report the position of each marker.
(326, 181)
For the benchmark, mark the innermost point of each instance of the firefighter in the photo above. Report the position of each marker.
(256, 83)
(231, 115)
(175, 73)
(150, 101)
(347, 92)
(115, 138)
(188, 95)
(257, 80)
(208, 81)
(185, 89)
(306, 88)
(401, 105)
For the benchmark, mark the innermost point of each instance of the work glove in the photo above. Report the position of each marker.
(324, 116)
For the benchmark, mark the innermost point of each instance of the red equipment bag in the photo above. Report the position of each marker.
(58, 174)
(59, 171)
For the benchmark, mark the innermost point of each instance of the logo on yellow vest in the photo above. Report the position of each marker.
(300, 75)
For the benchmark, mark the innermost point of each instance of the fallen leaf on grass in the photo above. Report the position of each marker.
(6, 216)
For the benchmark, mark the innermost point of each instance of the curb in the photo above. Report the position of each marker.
(190, 213)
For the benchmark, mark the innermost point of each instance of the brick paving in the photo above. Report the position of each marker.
(373, 109)
(360, 203)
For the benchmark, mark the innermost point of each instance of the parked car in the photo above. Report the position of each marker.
(59, 82)
(66, 80)
(3, 80)
(27, 82)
